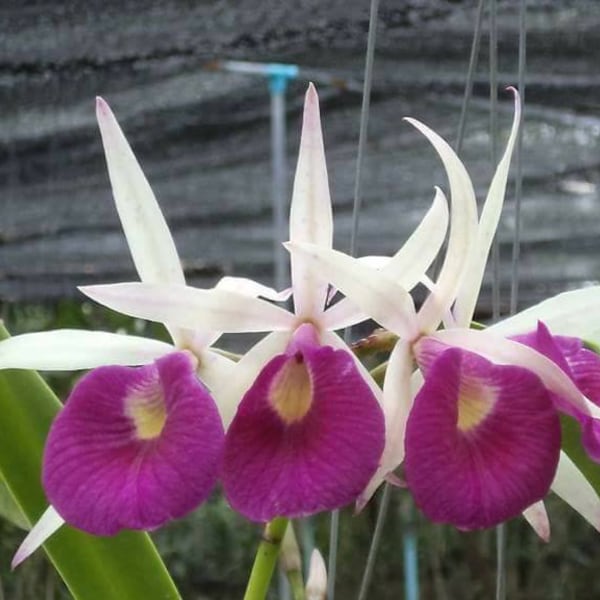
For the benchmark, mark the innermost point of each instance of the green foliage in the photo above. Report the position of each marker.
(126, 565)
(210, 552)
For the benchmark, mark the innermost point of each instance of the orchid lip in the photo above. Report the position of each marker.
(133, 447)
(307, 435)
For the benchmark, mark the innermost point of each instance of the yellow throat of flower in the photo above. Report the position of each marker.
(146, 408)
(291, 391)
(474, 404)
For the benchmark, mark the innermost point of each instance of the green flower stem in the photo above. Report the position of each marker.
(296, 585)
(265, 559)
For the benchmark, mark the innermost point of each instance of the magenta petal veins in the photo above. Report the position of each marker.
(583, 367)
(482, 441)
(133, 447)
(307, 436)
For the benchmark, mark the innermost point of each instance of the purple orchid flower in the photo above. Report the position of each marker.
(305, 429)
(452, 422)
(583, 367)
(114, 458)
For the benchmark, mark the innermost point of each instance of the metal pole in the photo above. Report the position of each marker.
(277, 86)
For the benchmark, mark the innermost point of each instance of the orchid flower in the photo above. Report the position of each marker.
(308, 431)
(113, 455)
(475, 426)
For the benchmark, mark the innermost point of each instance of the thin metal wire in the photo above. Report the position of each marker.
(516, 249)
(364, 123)
(494, 148)
(375, 541)
(500, 529)
(470, 76)
(334, 535)
(514, 289)
(362, 138)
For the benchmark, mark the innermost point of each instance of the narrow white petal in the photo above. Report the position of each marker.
(147, 234)
(316, 584)
(249, 287)
(463, 231)
(73, 349)
(570, 484)
(490, 215)
(537, 517)
(48, 524)
(150, 242)
(372, 291)
(575, 313)
(230, 390)
(411, 262)
(311, 219)
(397, 402)
(214, 369)
(502, 351)
(191, 308)
(343, 313)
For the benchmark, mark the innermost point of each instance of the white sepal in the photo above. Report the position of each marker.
(537, 517)
(148, 237)
(463, 231)
(466, 299)
(311, 219)
(397, 402)
(49, 523)
(575, 313)
(249, 287)
(150, 242)
(74, 349)
(411, 262)
(192, 308)
(570, 485)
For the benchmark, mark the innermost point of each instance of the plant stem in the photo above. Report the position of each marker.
(296, 584)
(265, 560)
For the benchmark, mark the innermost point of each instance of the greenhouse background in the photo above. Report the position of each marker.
(203, 136)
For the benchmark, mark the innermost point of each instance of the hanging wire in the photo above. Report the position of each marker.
(514, 276)
(494, 149)
(362, 138)
(514, 290)
(470, 76)
(375, 541)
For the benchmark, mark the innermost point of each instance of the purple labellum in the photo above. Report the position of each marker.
(583, 367)
(133, 447)
(482, 441)
(307, 436)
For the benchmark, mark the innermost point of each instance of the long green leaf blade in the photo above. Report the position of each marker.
(124, 566)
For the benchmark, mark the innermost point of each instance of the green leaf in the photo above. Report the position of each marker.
(93, 568)
(9, 509)
(571, 444)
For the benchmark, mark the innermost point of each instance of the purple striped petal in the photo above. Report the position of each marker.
(482, 441)
(583, 367)
(133, 447)
(307, 436)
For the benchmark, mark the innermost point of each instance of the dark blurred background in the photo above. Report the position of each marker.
(203, 139)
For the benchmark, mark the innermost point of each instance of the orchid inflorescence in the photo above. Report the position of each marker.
(467, 420)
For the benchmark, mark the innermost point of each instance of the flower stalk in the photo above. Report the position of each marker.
(265, 559)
